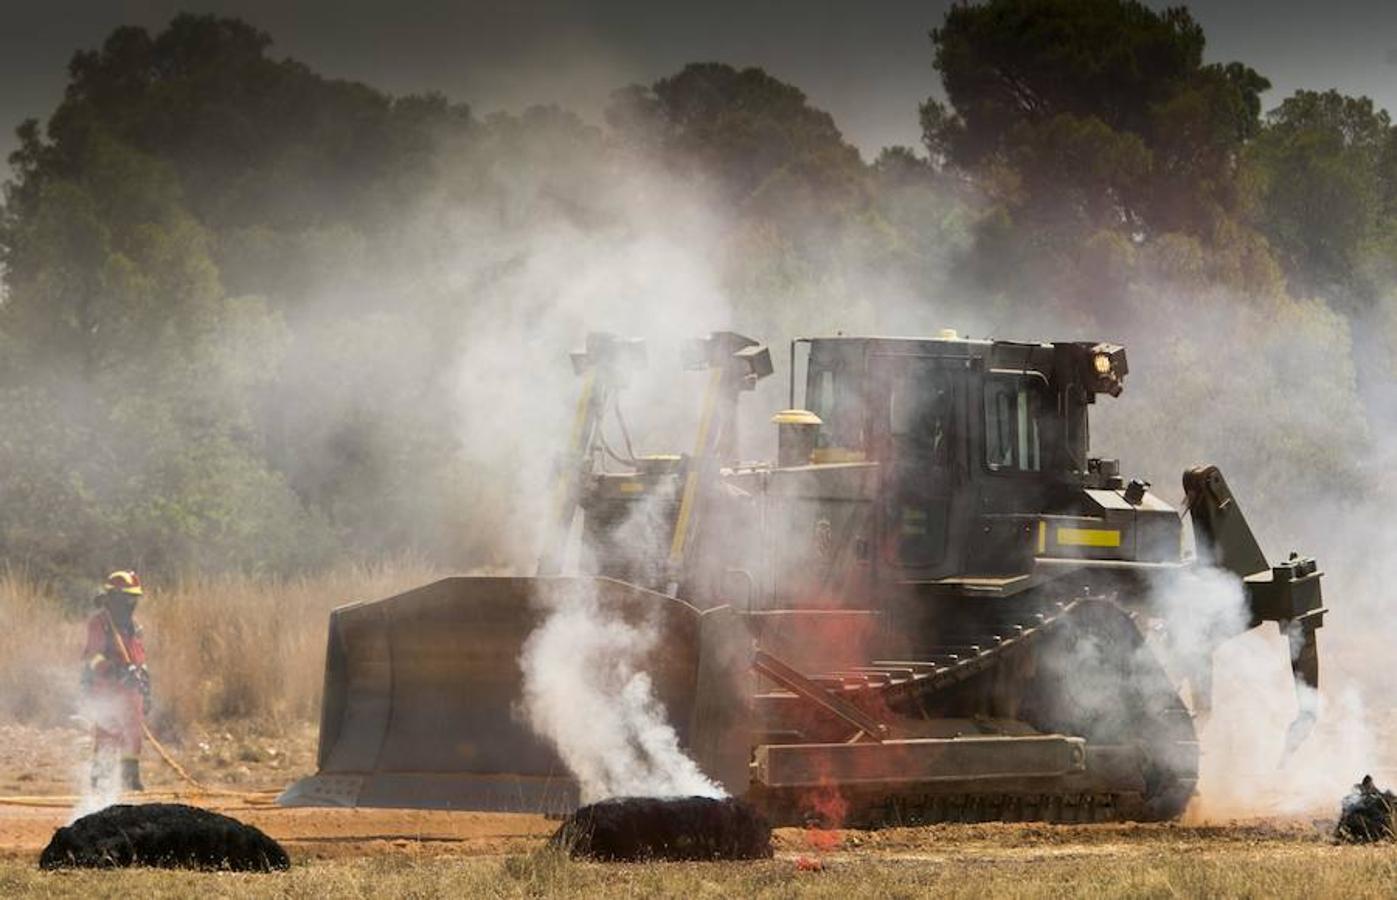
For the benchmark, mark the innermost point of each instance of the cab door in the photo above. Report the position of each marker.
(918, 428)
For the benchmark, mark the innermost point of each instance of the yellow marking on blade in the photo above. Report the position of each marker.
(1042, 537)
(1088, 537)
(686, 503)
(631, 487)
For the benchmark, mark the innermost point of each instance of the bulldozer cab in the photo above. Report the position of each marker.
(964, 431)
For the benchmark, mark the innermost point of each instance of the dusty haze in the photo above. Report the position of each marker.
(446, 319)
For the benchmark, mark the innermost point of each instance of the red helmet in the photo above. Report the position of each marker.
(124, 581)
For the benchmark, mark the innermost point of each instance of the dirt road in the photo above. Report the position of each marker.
(26, 824)
(353, 851)
(309, 833)
(338, 852)
(44, 764)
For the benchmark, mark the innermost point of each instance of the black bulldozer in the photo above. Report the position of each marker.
(936, 605)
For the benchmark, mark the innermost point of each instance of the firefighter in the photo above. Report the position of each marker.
(116, 683)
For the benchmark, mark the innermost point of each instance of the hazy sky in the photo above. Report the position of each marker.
(868, 63)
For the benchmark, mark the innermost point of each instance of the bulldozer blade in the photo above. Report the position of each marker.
(423, 695)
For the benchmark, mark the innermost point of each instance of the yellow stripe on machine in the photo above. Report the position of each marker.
(631, 487)
(1088, 537)
(821, 456)
(1042, 537)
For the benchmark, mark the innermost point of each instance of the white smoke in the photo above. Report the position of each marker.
(1199, 608)
(98, 775)
(1244, 769)
(586, 691)
(1243, 772)
(642, 267)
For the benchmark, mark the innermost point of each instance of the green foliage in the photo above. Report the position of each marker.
(1103, 109)
(206, 254)
(135, 375)
(130, 383)
(237, 295)
(1330, 176)
(753, 137)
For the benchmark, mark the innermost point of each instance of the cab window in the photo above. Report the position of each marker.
(836, 401)
(922, 413)
(1013, 407)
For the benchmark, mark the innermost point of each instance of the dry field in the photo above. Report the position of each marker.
(222, 648)
(362, 853)
(237, 664)
(502, 856)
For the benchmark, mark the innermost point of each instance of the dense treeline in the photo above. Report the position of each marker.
(255, 318)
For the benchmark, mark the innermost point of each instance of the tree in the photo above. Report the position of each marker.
(1101, 110)
(1328, 172)
(756, 138)
(134, 375)
(134, 371)
(801, 213)
(255, 142)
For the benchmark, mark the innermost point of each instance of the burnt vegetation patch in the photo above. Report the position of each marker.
(1368, 814)
(162, 835)
(626, 829)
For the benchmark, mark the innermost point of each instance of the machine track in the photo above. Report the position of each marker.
(1059, 808)
(1079, 669)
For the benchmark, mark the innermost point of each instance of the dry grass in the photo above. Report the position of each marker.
(232, 648)
(38, 654)
(221, 648)
(1313, 871)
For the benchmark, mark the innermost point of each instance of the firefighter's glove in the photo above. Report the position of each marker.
(138, 677)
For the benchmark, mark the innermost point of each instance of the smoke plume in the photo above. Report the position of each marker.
(395, 377)
(98, 772)
(586, 692)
